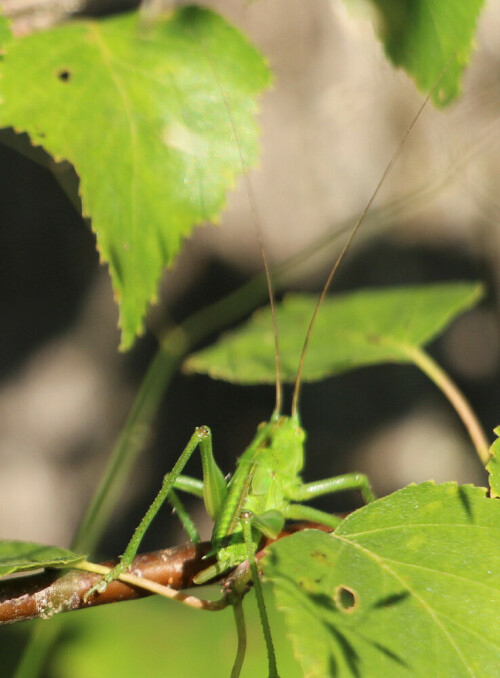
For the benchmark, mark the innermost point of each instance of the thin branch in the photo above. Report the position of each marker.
(166, 572)
(51, 591)
(462, 406)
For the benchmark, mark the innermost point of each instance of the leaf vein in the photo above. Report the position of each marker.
(433, 614)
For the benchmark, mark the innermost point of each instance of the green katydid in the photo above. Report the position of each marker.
(266, 488)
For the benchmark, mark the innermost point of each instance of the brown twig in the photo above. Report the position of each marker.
(53, 591)
(47, 593)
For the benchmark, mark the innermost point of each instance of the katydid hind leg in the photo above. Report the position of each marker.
(201, 437)
(214, 481)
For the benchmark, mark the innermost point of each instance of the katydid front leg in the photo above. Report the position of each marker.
(246, 522)
(214, 493)
(237, 590)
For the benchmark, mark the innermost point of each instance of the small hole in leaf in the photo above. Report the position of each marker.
(64, 75)
(345, 598)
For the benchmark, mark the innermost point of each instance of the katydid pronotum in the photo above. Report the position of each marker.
(266, 488)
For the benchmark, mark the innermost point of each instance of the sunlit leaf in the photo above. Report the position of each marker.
(352, 330)
(424, 36)
(142, 113)
(407, 586)
(5, 34)
(493, 466)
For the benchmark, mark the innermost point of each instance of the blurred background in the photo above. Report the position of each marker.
(330, 124)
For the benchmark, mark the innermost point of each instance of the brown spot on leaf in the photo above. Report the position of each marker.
(64, 74)
(319, 556)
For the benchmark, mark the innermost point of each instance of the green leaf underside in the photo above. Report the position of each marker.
(143, 116)
(19, 556)
(407, 586)
(352, 330)
(493, 466)
(422, 37)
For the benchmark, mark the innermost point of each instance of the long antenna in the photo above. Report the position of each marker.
(150, 9)
(260, 238)
(267, 270)
(352, 234)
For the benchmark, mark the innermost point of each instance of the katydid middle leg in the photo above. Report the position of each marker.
(349, 481)
(214, 493)
(191, 486)
(184, 517)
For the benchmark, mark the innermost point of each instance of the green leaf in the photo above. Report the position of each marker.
(5, 33)
(19, 556)
(352, 330)
(493, 466)
(422, 36)
(142, 113)
(407, 586)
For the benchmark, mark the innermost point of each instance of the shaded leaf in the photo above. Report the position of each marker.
(407, 586)
(423, 36)
(360, 328)
(493, 466)
(143, 117)
(19, 556)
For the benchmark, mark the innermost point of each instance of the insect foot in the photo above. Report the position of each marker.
(203, 432)
(103, 583)
(365, 488)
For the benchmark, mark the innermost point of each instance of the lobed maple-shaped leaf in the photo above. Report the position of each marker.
(142, 112)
